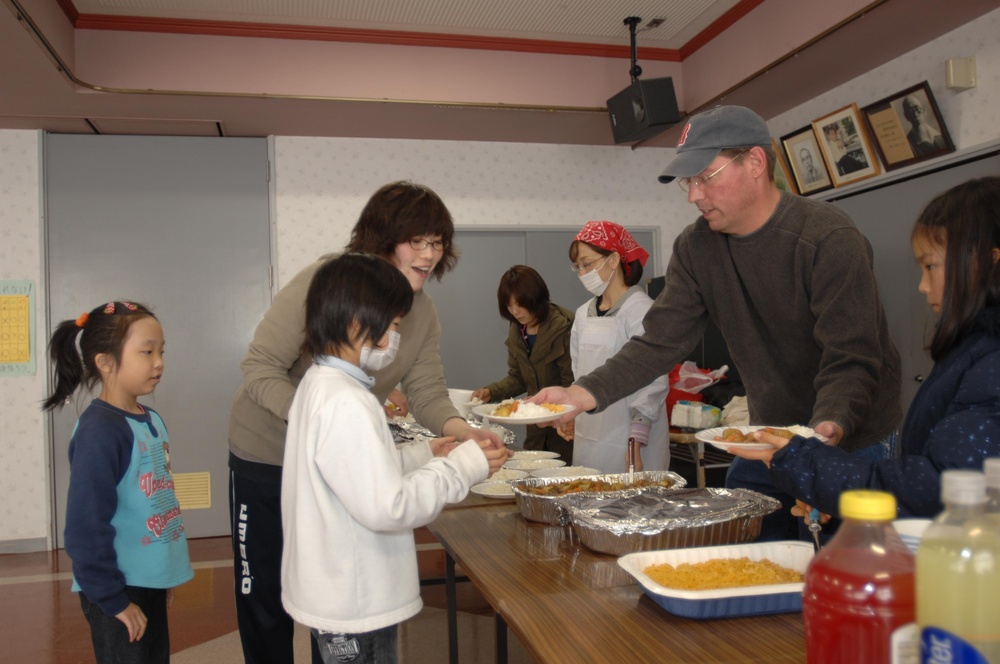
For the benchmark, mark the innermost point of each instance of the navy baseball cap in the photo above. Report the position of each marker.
(709, 133)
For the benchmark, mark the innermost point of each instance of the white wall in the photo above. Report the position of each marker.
(321, 185)
(24, 476)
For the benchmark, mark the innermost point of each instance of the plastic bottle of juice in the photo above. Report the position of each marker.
(858, 603)
(958, 576)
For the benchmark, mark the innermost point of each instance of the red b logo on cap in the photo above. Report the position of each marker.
(684, 135)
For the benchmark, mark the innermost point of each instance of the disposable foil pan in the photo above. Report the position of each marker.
(547, 509)
(406, 430)
(651, 519)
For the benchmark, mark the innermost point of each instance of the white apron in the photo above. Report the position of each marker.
(601, 439)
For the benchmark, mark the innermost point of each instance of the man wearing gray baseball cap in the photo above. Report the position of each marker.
(789, 282)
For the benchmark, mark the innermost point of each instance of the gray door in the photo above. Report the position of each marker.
(473, 334)
(886, 215)
(179, 224)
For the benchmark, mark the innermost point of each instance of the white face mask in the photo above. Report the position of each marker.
(376, 359)
(592, 280)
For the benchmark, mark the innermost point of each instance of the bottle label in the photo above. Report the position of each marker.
(938, 646)
(904, 646)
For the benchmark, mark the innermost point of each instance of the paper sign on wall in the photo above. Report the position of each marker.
(17, 327)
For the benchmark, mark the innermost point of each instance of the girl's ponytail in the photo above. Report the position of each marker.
(66, 360)
(101, 331)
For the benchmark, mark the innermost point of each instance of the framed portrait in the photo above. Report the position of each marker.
(907, 127)
(806, 161)
(845, 146)
(782, 176)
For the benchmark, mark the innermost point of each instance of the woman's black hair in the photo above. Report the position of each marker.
(528, 289)
(102, 331)
(632, 276)
(399, 212)
(966, 221)
(353, 288)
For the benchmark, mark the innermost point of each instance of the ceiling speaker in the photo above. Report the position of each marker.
(643, 110)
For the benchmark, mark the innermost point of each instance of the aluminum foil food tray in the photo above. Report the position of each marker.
(406, 430)
(547, 509)
(650, 519)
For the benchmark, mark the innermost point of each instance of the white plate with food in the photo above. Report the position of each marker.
(739, 436)
(507, 474)
(493, 490)
(534, 454)
(521, 412)
(566, 471)
(533, 464)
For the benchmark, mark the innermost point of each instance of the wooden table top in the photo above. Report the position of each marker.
(567, 603)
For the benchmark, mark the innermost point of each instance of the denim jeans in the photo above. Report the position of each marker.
(110, 636)
(375, 647)
(781, 525)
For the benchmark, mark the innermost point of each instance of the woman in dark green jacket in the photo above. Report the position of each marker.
(537, 350)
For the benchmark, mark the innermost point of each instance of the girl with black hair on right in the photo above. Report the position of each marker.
(350, 498)
(954, 420)
(123, 523)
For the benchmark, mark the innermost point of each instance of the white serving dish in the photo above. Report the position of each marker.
(709, 435)
(728, 602)
(484, 411)
(507, 474)
(533, 464)
(493, 490)
(534, 454)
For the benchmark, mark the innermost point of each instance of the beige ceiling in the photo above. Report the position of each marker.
(584, 21)
(41, 86)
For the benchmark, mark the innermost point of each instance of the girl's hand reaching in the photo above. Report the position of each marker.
(802, 509)
(483, 394)
(134, 620)
(754, 454)
(496, 457)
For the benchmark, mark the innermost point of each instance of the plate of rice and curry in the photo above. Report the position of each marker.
(742, 436)
(516, 411)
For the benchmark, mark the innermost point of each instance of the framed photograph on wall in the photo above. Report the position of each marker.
(806, 161)
(782, 176)
(845, 146)
(907, 127)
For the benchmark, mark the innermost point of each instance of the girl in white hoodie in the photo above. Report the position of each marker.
(350, 499)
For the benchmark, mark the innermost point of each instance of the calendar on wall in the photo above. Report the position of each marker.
(17, 327)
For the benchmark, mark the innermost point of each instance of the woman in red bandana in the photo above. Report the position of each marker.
(609, 263)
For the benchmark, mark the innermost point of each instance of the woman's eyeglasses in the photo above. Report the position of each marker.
(584, 267)
(702, 180)
(420, 243)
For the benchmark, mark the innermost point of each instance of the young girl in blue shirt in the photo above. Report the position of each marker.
(124, 532)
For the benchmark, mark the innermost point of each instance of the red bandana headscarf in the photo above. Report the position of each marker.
(611, 237)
